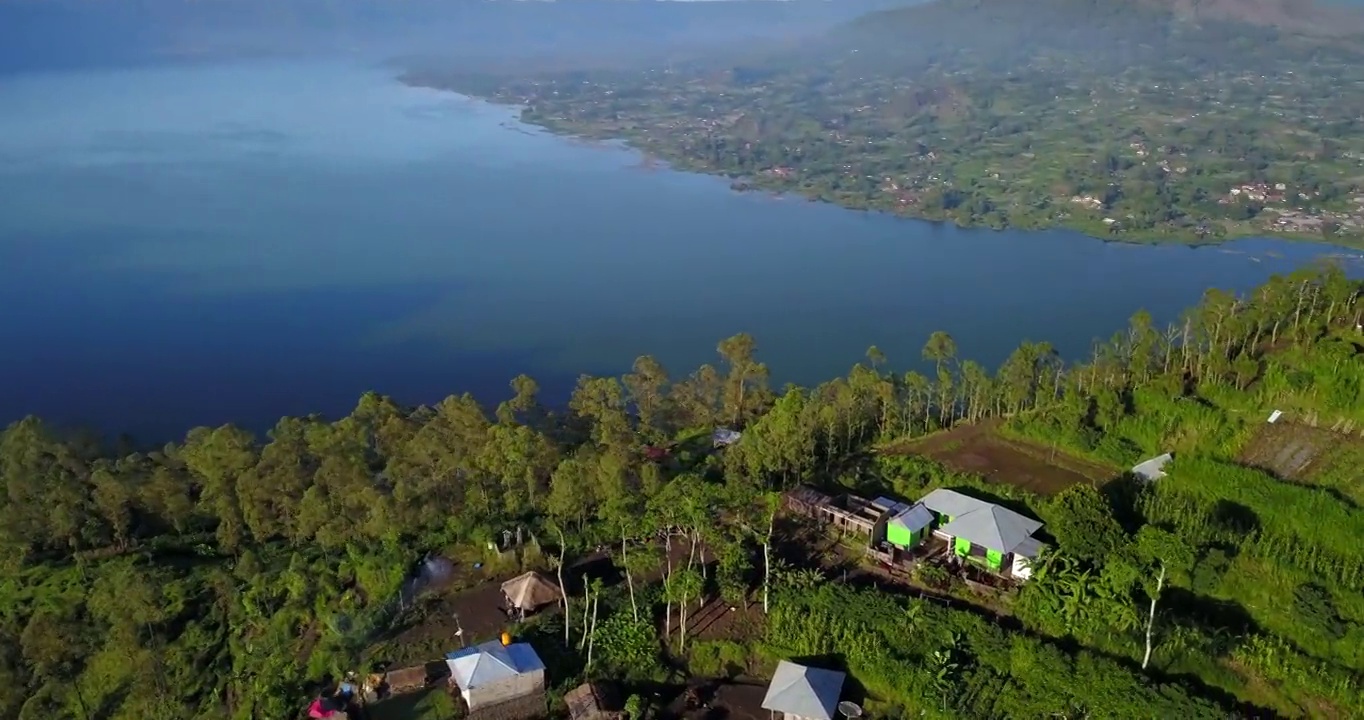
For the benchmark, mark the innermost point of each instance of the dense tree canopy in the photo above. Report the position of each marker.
(223, 574)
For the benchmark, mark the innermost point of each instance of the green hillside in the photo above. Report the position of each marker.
(1120, 119)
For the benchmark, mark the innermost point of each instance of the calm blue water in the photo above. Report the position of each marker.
(197, 245)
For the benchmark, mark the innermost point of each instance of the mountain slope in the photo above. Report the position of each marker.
(1139, 119)
(1100, 34)
(1303, 16)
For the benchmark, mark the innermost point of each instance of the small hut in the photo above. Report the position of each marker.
(592, 701)
(530, 592)
(406, 680)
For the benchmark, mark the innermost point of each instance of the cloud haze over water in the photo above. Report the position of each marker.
(45, 34)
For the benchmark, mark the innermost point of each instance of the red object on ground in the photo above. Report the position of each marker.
(318, 710)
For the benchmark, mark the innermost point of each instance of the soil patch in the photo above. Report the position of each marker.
(717, 619)
(980, 449)
(720, 700)
(1310, 456)
(435, 629)
(1287, 450)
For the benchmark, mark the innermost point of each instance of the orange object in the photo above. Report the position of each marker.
(506, 638)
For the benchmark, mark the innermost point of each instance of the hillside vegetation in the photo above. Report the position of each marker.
(225, 575)
(1140, 120)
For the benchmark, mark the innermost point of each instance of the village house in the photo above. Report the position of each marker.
(496, 674)
(862, 518)
(798, 692)
(988, 534)
(805, 500)
(996, 538)
(1258, 192)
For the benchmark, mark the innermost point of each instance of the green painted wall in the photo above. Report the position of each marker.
(962, 546)
(899, 536)
(994, 558)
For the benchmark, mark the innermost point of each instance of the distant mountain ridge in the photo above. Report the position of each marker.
(1099, 34)
(1306, 16)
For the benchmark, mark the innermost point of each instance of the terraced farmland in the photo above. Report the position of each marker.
(1310, 456)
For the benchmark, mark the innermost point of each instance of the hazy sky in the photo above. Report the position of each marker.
(38, 34)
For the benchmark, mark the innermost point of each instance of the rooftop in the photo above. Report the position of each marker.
(1153, 469)
(491, 663)
(804, 691)
(986, 524)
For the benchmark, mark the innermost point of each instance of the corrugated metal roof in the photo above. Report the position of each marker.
(992, 527)
(804, 691)
(1029, 548)
(490, 663)
(951, 502)
(894, 506)
(1153, 469)
(913, 518)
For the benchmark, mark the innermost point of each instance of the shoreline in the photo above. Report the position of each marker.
(654, 160)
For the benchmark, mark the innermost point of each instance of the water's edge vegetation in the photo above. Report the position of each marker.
(227, 575)
(1132, 120)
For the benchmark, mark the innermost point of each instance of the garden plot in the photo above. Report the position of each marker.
(1310, 456)
(980, 449)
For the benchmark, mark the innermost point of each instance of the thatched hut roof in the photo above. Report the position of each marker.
(530, 591)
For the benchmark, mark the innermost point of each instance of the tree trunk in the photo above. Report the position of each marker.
(587, 605)
(80, 698)
(739, 402)
(682, 622)
(629, 581)
(1297, 312)
(1184, 349)
(592, 636)
(667, 580)
(1151, 619)
(767, 558)
(563, 591)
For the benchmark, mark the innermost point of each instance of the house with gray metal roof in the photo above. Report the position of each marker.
(909, 526)
(994, 536)
(803, 693)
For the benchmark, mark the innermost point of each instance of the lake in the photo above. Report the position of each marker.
(201, 244)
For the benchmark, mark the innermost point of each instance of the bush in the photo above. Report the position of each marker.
(718, 658)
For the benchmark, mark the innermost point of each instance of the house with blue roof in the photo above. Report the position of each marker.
(491, 674)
